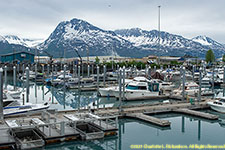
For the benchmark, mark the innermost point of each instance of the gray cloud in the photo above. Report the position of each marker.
(38, 18)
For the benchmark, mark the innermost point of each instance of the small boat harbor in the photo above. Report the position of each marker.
(187, 90)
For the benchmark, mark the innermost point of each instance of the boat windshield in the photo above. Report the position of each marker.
(131, 87)
(222, 100)
(193, 87)
(10, 103)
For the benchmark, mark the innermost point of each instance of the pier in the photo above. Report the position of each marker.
(40, 128)
(197, 114)
(149, 119)
(57, 126)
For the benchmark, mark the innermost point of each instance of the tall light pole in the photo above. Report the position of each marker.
(159, 25)
(159, 31)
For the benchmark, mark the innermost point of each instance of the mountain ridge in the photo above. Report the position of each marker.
(87, 39)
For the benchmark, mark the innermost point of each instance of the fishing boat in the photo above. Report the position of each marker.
(218, 105)
(13, 107)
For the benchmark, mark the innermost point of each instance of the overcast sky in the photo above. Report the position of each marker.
(189, 18)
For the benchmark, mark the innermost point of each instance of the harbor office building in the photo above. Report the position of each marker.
(18, 57)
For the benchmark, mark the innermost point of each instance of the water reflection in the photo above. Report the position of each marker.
(184, 130)
(110, 143)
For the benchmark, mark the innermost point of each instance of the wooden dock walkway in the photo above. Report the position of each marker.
(6, 141)
(154, 108)
(197, 113)
(149, 119)
(61, 125)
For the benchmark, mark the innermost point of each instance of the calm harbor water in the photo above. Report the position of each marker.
(184, 130)
(70, 99)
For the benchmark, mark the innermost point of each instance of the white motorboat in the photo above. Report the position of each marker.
(191, 89)
(218, 105)
(13, 93)
(140, 88)
(112, 76)
(13, 107)
(60, 79)
(165, 86)
(206, 82)
(109, 91)
(31, 76)
(72, 83)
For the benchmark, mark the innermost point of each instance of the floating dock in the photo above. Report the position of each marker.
(149, 119)
(197, 114)
(36, 130)
(50, 126)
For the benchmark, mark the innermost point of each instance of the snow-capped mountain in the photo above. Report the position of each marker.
(6, 47)
(204, 40)
(149, 39)
(86, 38)
(80, 35)
(3, 40)
(170, 44)
(12, 39)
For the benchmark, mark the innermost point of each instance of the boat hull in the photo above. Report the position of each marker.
(137, 95)
(216, 107)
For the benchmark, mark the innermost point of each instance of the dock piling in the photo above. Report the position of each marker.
(23, 69)
(213, 80)
(97, 85)
(62, 128)
(14, 78)
(64, 85)
(75, 71)
(183, 83)
(1, 95)
(149, 72)
(224, 75)
(56, 69)
(5, 77)
(146, 70)
(104, 68)
(97, 77)
(120, 89)
(88, 73)
(193, 72)
(78, 89)
(27, 84)
(200, 85)
(48, 70)
(35, 72)
(79, 78)
(124, 82)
